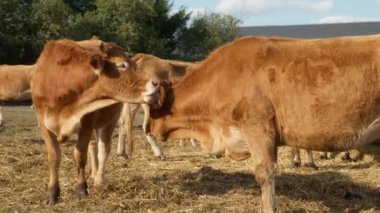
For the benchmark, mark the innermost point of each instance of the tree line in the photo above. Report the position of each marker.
(145, 26)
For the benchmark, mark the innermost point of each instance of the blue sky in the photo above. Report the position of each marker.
(288, 12)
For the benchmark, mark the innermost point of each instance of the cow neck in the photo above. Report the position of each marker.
(71, 115)
(192, 95)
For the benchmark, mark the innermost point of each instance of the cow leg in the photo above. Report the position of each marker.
(54, 160)
(324, 156)
(346, 156)
(93, 151)
(125, 128)
(193, 142)
(332, 155)
(156, 149)
(182, 142)
(104, 148)
(1, 116)
(310, 160)
(261, 142)
(80, 156)
(295, 158)
(150, 138)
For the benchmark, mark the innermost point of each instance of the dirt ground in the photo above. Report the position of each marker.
(188, 181)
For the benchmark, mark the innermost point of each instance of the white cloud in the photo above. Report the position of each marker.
(196, 11)
(244, 8)
(377, 2)
(344, 19)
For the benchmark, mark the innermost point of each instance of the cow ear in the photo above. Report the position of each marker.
(97, 62)
(102, 48)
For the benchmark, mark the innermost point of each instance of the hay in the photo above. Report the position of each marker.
(188, 181)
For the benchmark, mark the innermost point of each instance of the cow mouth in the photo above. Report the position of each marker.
(151, 95)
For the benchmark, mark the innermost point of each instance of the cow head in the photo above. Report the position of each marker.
(155, 67)
(118, 77)
(161, 124)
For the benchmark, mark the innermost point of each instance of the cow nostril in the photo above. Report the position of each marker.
(155, 83)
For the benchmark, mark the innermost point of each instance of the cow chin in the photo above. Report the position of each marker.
(153, 100)
(151, 94)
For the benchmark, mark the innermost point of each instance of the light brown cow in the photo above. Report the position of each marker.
(77, 87)
(256, 93)
(159, 69)
(295, 158)
(15, 84)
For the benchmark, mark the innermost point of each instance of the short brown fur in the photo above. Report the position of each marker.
(319, 94)
(76, 88)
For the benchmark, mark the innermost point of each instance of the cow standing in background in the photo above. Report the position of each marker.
(15, 84)
(159, 69)
(78, 87)
(257, 93)
(295, 158)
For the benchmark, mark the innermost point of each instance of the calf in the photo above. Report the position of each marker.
(78, 87)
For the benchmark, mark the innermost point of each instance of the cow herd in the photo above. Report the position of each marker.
(244, 100)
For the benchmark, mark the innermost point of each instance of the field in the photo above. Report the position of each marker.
(188, 181)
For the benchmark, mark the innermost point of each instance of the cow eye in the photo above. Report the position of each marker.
(122, 65)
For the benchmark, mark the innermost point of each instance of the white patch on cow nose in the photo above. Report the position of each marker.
(122, 65)
(151, 90)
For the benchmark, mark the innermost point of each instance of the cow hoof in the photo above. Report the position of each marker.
(161, 157)
(49, 201)
(81, 191)
(295, 164)
(215, 155)
(123, 155)
(98, 181)
(346, 158)
(311, 166)
(51, 197)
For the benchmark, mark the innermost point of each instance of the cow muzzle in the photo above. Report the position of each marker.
(151, 95)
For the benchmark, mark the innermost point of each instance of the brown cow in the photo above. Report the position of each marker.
(257, 93)
(15, 84)
(77, 87)
(159, 69)
(295, 158)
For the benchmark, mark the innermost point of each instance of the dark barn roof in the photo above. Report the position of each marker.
(314, 31)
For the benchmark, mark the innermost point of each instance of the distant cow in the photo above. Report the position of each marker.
(15, 84)
(160, 69)
(77, 87)
(257, 93)
(295, 158)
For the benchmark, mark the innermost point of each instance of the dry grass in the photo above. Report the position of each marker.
(188, 181)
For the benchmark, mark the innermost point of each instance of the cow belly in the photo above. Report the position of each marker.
(339, 138)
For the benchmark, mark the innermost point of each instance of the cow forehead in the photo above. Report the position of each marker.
(110, 50)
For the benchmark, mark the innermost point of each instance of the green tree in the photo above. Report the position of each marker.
(147, 26)
(138, 26)
(28, 24)
(207, 32)
(51, 20)
(81, 6)
(16, 31)
(160, 28)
